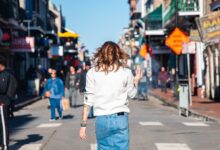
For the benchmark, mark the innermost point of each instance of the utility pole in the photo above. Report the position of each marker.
(29, 34)
(177, 63)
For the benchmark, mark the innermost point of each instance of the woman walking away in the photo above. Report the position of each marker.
(70, 87)
(54, 89)
(108, 85)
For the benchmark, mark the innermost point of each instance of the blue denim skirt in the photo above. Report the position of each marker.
(112, 132)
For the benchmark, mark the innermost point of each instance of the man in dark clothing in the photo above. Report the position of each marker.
(8, 86)
(163, 79)
(82, 81)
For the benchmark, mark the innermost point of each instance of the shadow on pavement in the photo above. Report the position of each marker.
(19, 121)
(68, 117)
(30, 139)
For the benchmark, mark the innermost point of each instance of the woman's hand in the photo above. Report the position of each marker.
(82, 133)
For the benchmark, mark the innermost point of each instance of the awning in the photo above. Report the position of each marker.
(68, 35)
(215, 5)
(38, 29)
(155, 15)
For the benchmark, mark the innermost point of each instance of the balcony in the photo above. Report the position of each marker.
(188, 7)
(153, 22)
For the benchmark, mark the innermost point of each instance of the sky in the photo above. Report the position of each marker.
(96, 21)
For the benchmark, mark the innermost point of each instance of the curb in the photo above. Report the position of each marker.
(191, 112)
(26, 103)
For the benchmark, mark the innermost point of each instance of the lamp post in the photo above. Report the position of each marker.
(29, 34)
(28, 25)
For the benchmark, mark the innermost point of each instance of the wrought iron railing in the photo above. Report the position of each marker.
(188, 5)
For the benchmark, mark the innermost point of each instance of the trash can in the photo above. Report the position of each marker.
(184, 99)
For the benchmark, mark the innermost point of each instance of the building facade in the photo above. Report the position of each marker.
(160, 18)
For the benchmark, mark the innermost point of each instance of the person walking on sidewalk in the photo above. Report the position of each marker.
(82, 79)
(108, 85)
(54, 90)
(163, 78)
(70, 87)
(8, 86)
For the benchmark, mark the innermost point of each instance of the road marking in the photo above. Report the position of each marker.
(195, 124)
(172, 146)
(151, 123)
(49, 125)
(31, 147)
(93, 146)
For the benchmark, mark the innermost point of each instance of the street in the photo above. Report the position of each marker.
(153, 126)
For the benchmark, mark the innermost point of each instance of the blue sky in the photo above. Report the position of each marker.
(96, 21)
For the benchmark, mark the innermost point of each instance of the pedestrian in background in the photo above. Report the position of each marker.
(141, 84)
(70, 87)
(8, 87)
(108, 85)
(163, 78)
(172, 80)
(54, 90)
(82, 80)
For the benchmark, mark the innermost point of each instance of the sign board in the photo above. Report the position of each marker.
(209, 26)
(194, 36)
(56, 51)
(143, 50)
(189, 48)
(23, 44)
(175, 41)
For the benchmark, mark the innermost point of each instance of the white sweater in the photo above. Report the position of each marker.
(109, 93)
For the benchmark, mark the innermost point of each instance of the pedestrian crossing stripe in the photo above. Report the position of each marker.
(49, 125)
(31, 147)
(172, 146)
(93, 146)
(195, 124)
(151, 123)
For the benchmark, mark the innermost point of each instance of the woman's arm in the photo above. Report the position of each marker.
(88, 101)
(82, 132)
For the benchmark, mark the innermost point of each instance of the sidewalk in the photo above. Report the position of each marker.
(201, 107)
(24, 100)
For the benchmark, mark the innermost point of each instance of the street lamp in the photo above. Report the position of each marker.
(28, 25)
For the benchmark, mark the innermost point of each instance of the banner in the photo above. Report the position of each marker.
(23, 44)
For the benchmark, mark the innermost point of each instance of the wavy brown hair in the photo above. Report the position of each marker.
(109, 57)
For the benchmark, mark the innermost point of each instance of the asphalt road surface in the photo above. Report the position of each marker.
(153, 126)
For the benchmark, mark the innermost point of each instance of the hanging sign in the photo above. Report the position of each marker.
(23, 44)
(209, 26)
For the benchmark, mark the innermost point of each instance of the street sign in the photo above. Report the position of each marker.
(175, 41)
(189, 48)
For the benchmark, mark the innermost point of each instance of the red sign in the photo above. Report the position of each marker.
(23, 44)
(175, 41)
